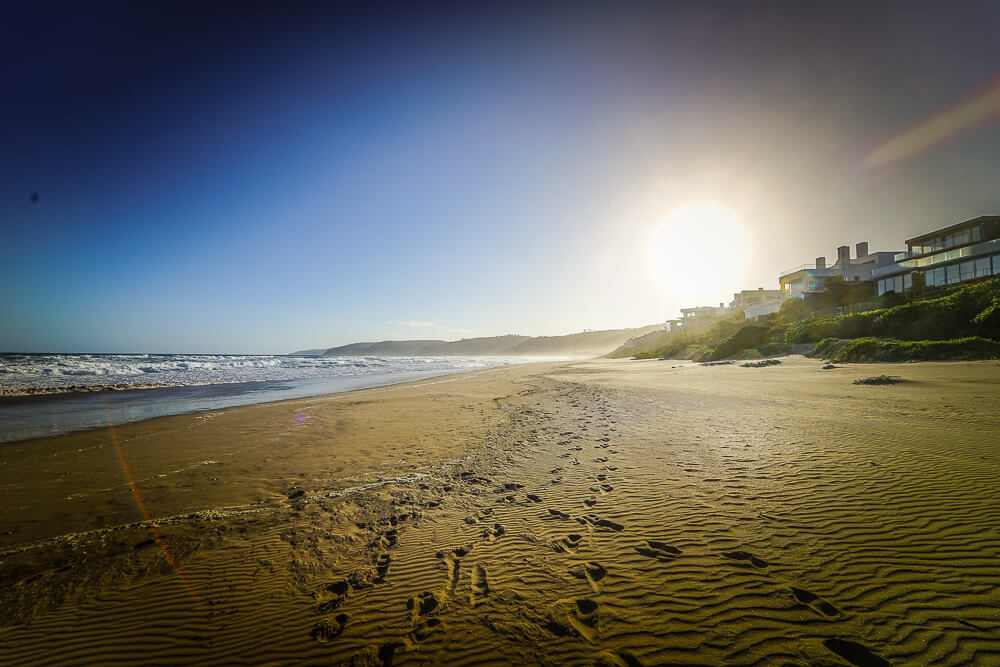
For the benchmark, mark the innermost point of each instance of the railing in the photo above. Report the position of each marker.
(796, 269)
(860, 307)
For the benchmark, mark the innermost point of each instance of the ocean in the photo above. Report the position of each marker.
(52, 394)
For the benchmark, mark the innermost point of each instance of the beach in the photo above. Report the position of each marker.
(593, 512)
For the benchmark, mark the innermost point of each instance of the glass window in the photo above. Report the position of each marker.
(897, 284)
(996, 265)
(982, 267)
(939, 276)
(952, 274)
(961, 238)
(949, 241)
(908, 281)
(967, 270)
(976, 234)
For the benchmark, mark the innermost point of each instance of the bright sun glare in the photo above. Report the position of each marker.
(699, 253)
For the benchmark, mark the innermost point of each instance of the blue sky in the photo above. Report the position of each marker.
(264, 180)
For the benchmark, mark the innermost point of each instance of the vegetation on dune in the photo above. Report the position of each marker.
(890, 349)
(962, 322)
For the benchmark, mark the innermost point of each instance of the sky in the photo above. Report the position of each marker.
(263, 178)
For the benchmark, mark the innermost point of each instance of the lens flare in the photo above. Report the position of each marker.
(960, 118)
(153, 529)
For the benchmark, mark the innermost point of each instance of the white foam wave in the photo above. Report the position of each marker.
(41, 373)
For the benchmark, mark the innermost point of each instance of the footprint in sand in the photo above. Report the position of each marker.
(590, 502)
(452, 561)
(421, 605)
(620, 659)
(814, 602)
(659, 550)
(332, 595)
(479, 516)
(855, 653)
(569, 543)
(750, 559)
(480, 586)
(602, 523)
(557, 514)
(382, 568)
(601, 459)
(594, 573)
(386, 540)
(533, 498)
(329, 628)
(584, 619)
(494, 533)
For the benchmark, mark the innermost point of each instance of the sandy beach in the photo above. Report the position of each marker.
(597, 512)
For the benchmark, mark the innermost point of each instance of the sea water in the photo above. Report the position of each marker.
(51, 394)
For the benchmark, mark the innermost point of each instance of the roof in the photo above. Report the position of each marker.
(951, 228)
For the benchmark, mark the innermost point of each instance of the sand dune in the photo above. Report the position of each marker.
(605, 512)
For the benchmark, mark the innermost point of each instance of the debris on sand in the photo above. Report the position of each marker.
(761, 364)
(879, 380)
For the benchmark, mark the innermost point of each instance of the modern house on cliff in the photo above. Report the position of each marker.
(810, 278)
(954, 254)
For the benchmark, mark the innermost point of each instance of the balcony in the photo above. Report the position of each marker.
(796, 269)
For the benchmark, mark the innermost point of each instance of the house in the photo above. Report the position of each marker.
(946, 256)
(757, 302)
(688, 315)
(811, 278)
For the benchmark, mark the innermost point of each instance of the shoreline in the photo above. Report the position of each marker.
(190, 399)
(602, 511)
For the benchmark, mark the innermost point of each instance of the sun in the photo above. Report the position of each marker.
(698, 254)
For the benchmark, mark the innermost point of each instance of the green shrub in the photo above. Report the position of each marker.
(880, 349)
(987, 321)
(748, 337)
(793, 310)
(771, 349)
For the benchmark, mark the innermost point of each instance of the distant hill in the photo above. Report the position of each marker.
(585, 344)
(386, 348)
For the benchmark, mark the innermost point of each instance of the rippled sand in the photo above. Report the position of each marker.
(605, 512)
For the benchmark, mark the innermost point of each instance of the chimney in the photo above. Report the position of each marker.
(821, 262)
(843, 256)
(760, 289)
(862, 249)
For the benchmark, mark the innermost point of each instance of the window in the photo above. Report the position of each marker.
(897, 284)
(976, 234)
(908, 281)
(952, 274)
(938, 276)
(949, 241)
(996, 265)
(881, 287)
(967, 270)
(982, 267)
(961, 238)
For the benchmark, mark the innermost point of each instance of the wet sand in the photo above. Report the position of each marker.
(600, 512)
